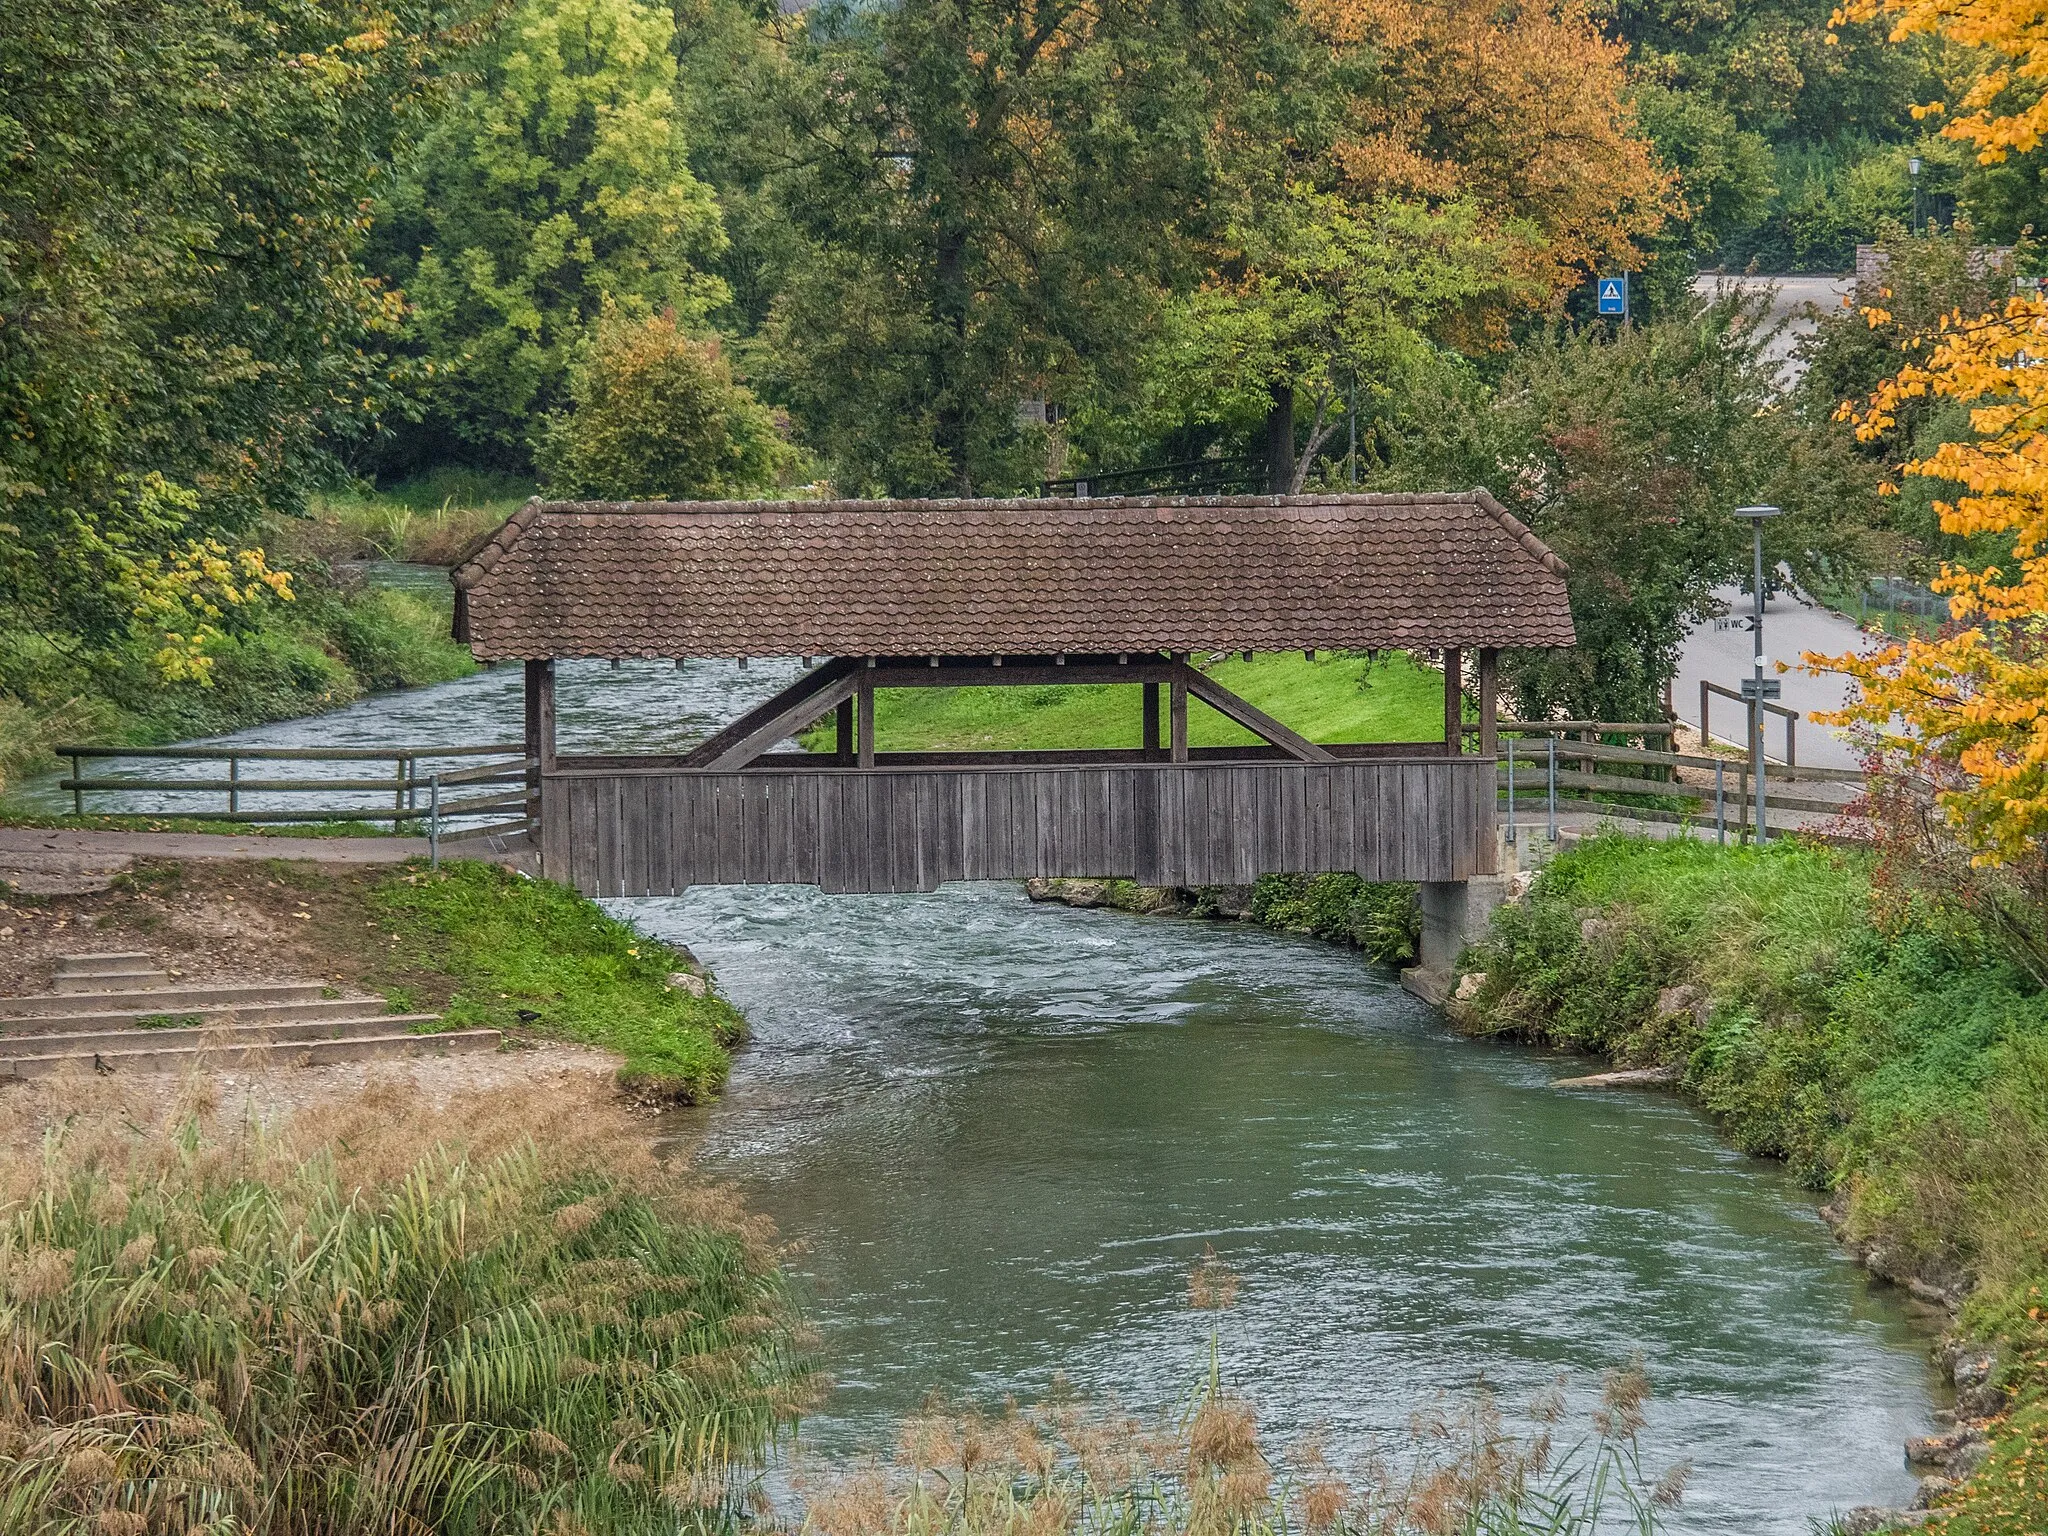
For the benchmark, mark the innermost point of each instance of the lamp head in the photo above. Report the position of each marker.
(1913, 166)
(1758, 514)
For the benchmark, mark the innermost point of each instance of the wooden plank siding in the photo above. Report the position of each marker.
(656, 831)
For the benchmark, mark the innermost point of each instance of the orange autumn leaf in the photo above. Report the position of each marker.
(1520, 108)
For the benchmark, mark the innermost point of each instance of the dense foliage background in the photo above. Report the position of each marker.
(254, 256)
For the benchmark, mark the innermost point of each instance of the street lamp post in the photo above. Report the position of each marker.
(1913, 170)
(1754, 690)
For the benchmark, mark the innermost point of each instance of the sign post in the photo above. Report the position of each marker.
(1613, 296)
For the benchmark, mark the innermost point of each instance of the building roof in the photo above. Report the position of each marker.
(1015, 578)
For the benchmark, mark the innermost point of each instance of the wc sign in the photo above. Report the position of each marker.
(1613, 293)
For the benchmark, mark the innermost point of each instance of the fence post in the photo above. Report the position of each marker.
(1720, 806)
(1553, 787)
(1705, 734)
(234, 794)
(434, 822)
(398, 791)
(1791, 725)
(77, 794)
(1511, 791)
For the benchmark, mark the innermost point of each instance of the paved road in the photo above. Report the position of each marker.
(1791, 628)
(1796, 302)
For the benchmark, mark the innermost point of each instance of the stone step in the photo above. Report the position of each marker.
(160, 999)
(113, 959)
(208, 1017)
(283, 1053)
(228, 1037)
(107, 981)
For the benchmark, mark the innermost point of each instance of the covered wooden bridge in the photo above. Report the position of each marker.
(918, 594)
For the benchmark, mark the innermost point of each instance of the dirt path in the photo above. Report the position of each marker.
(41, 861)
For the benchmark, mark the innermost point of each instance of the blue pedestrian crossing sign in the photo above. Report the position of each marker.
(1614, 295)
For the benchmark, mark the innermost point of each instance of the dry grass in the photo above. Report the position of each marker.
(376, 1315)
(1069, 1467)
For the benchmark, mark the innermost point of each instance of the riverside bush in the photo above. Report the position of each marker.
(377, 1316)
(1383, 918)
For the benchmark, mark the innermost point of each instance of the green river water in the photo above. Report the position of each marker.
(1003, 1133)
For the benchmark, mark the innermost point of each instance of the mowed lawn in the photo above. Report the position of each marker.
(1334, 698)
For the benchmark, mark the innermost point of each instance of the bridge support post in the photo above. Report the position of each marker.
(1454, 914)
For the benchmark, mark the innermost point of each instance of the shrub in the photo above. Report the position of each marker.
(658, 416)
(377, 1317)
(1382, 918)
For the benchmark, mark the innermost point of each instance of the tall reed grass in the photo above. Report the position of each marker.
(1067, 1468)
(378, 1317)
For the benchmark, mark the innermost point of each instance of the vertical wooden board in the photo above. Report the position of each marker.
(870, 834)
(1179, 826)
(666, 798)
(1248, 797)
(554, 829)
(803, 827)
(1142, 831)
(1449, 813)
(1085, 791)
(1365, 825)
(1073, 822)
(606, 797)
(682, 830)
(899, 817)
(832, 857)
(993, 856)
(942, 838)
(1293, 840)
(774, 864)
(1117, 808)
(1415, 817)
(1158, 809)
(1283, 783)
(1197, 849)
(973, 811)
(632, 837)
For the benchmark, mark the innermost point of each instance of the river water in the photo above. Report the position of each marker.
(1003, 1133)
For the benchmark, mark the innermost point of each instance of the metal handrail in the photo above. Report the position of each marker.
(404, 785)
(294, 754)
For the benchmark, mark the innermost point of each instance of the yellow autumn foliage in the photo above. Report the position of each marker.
(2003, 109)
(1969, 708)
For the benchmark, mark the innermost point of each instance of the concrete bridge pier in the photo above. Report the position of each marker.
(1454, 914)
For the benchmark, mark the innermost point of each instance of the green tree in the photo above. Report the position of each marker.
(989, 198)
(559, 179)
(185, 333)
(1323, 300)
(1789, 140)
(1626, 451)
(658, 417)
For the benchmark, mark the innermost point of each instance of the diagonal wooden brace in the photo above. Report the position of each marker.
(768, 722)
(1250, 716)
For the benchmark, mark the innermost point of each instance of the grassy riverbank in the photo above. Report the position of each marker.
(1895, 1059)
(475, 943)
(1333, 698)
(377, 1314)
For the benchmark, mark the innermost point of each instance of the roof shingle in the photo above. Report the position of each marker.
(854, 578)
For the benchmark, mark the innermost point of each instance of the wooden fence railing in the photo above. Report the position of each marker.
(1540, 771)
(415, 795)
